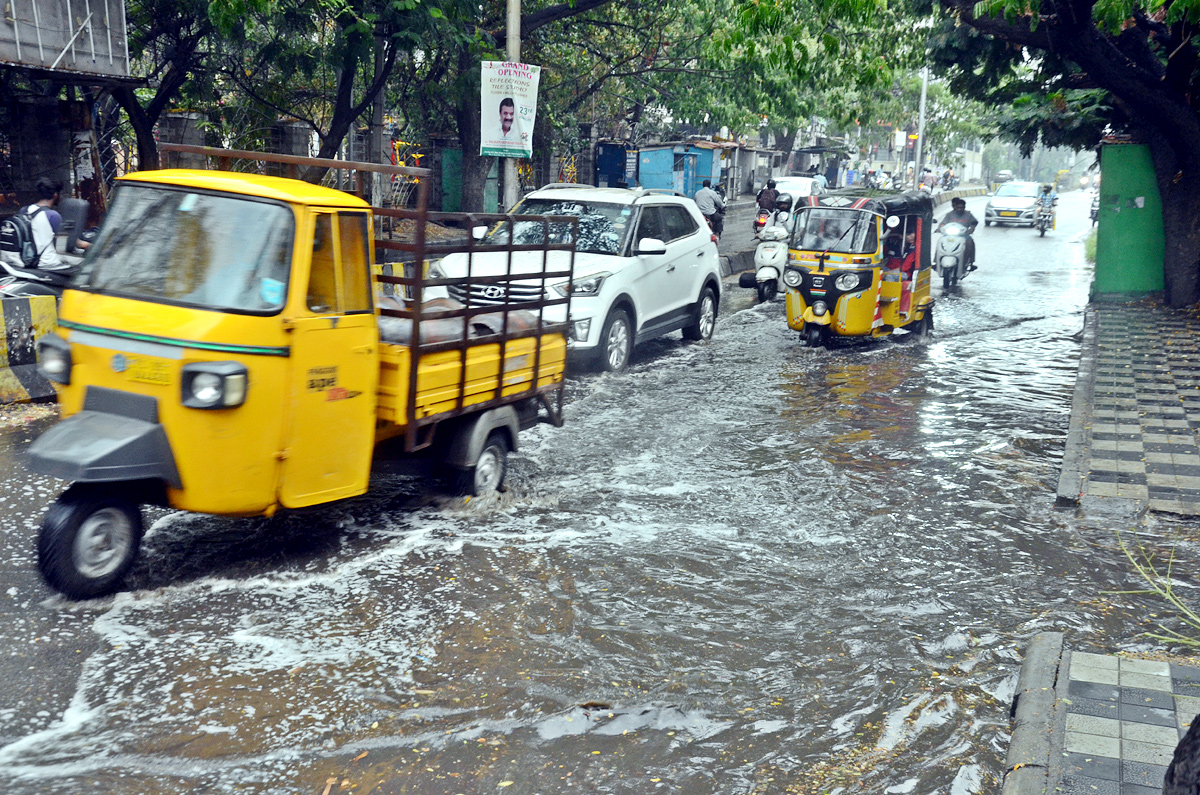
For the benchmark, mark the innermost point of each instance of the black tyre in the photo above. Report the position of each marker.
(704, 321)
(487, 476)
(925, 325)
(947, 278)
(616, 342)
(987, 223)
(766, 291)
(814, 336)
(88, 542)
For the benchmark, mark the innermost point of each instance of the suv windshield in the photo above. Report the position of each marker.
(843, 231)
(603, 227)
(1027, 190)
(213, 251)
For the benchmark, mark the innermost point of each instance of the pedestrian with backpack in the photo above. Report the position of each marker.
(27, 238)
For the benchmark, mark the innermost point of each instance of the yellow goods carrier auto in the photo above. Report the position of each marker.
(225, 349)
(859, 265)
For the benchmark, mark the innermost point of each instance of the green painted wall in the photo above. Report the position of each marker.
(1129, 237)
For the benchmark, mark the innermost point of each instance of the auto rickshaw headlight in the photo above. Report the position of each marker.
(819, 308)
(54, 359)
(792, 277)
(846, 282)
(214, 385)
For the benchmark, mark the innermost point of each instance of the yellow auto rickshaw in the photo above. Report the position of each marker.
(225, 349)
(860, 265)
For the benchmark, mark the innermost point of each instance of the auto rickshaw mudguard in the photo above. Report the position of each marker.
(471, 435)
(821, 320)
(115, 438)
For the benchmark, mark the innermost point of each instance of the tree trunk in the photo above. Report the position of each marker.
(475, 167)
(1181, 257)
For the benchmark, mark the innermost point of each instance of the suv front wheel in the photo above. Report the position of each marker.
(705, 320)
(616, 342)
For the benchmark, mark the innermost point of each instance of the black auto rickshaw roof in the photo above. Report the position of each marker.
(883, 202)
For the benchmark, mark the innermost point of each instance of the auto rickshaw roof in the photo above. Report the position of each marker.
(280, 188)
(883, 202)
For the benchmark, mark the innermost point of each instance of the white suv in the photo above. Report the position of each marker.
(645, 265)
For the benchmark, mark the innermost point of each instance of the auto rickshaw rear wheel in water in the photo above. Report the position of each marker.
(487, 476)
(925, 324)
(88, 541)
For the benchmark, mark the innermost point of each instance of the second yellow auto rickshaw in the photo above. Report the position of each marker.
(860, 265)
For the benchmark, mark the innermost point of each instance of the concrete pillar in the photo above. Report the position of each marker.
(288, 138)
(181, 128)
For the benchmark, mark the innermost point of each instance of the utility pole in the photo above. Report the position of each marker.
(920, 159)
(512, 46)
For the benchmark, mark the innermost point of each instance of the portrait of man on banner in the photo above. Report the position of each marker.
(508, 108)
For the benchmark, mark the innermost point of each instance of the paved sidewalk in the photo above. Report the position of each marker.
(1137, 409)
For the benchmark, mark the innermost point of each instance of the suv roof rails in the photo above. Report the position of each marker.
(566, 185)
(663, 192)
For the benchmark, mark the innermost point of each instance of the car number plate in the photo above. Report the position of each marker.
(1008, 215)
(147, 371)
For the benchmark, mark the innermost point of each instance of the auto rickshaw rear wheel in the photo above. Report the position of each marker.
(88, 542)
(487, 476)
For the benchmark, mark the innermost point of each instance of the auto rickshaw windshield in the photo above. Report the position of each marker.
(843, 231)
(213, 251)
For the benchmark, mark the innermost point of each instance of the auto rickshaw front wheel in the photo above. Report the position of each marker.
(814, 335)
(88, 541)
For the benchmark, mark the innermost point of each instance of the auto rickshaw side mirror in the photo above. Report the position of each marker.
(893, 221)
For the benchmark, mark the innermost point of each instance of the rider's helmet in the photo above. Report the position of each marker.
(1045, 189)
(770, 183)
(783, 202)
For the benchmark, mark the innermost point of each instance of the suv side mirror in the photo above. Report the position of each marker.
(649, 246)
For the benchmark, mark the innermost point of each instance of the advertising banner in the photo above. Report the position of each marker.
(508, 106)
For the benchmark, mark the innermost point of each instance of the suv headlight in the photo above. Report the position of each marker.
(213, 385)
(582, 287)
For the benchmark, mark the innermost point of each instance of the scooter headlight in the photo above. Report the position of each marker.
(846, 282)
(54, 359)
(819, 308)
(792, 277)
(214, 385)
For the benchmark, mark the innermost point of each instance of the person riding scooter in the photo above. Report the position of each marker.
(771, 254)
(960, 215)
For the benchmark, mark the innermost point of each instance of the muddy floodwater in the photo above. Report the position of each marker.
(740, 567)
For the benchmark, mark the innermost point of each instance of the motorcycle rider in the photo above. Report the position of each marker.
(711, 206)
(767, 196)
(960, 215)
(45, 225)
(1047, 198)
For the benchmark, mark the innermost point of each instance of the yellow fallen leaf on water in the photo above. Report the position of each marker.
(361, 756)
(505, 784)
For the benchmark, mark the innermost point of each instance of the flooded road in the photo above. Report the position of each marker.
(740, 567)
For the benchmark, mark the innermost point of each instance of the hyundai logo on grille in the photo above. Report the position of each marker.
(493, 291)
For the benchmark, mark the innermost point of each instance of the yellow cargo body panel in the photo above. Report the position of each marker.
(439, 375)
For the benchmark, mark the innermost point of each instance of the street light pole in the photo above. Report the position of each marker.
(512, 45)
(920, 159)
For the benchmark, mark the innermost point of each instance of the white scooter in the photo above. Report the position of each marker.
(771, 254)
(951, 256)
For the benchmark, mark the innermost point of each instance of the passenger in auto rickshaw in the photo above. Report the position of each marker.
(900, 258)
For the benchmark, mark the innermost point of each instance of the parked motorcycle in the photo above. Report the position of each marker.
(952, 256)
(771, 254)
